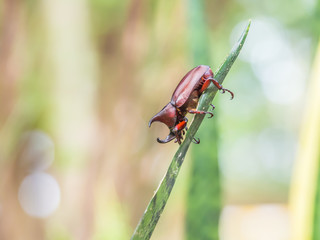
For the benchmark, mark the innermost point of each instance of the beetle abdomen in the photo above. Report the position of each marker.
(187, 85)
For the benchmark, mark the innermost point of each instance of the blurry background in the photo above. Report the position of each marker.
(79, 81)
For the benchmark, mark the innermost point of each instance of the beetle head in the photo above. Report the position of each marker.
(168, 116)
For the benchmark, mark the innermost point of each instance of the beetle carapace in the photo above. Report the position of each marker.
(184, 100)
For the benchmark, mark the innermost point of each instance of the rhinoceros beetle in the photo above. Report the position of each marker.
(184, 100)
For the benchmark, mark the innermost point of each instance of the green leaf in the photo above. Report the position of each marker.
(153, 212)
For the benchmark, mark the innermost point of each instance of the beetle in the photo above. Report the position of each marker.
(184, 100)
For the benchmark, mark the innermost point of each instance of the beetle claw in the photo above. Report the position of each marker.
(196, 141)
(224, 90)
(213, 107)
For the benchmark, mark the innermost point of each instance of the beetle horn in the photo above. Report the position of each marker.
(169, 138)
(167, 115)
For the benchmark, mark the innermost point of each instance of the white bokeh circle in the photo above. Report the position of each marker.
(39, 194)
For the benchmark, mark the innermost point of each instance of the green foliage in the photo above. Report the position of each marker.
(153, 212)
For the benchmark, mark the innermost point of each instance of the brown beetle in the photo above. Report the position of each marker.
(184, 100)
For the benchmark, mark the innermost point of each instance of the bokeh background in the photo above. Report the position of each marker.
(79, 81)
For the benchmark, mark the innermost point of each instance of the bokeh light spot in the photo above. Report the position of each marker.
(39, 195)
(37, 152)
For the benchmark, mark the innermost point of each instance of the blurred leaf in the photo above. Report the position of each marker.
(203, 201)
(152, 214)
(198, 32)
(305, 186)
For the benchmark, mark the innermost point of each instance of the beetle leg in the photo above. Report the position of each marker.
(196, 141)
(213, 107)
(194, 111)
(178, 130)
(180, 126)
(178, 138)
(218, 85)
(185, 119)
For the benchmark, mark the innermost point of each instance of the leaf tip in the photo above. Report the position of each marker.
(249, 23)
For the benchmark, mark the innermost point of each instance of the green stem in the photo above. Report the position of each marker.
(152, 214)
